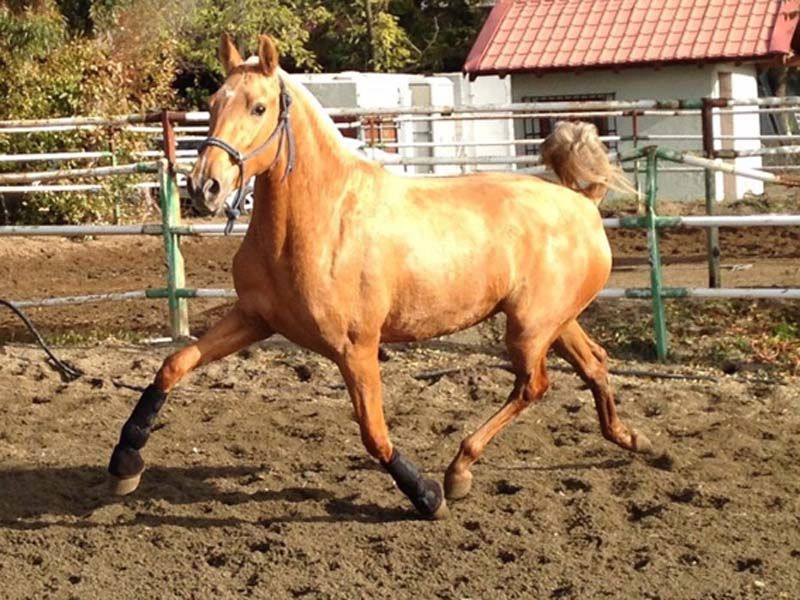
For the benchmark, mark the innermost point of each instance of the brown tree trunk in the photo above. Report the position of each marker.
(371, 34)
(782, 78)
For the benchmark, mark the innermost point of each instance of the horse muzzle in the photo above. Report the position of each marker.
(207, 194)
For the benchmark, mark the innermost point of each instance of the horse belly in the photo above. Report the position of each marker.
(434, 302)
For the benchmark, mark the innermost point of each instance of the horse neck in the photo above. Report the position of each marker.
(302, 208)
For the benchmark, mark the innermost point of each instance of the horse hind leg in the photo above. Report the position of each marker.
(590, 361)
(528, 356)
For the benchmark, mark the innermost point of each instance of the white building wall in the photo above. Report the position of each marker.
(488, 90)
(451, 138)
(352, 89)
(443, 133)
(666, 83)
(434, 91)
(388, 90)
(378, 90)
(745, 124)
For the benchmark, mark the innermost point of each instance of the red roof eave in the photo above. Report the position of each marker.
(785, 25)
(627, 65)
(490, 27)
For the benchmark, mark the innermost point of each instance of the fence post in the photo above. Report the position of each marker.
(112, 148)
(176, 275)
(712, 235)
(656, 285)
(635, 131)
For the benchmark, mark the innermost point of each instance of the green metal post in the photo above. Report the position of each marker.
(656, 286)
(176, 275)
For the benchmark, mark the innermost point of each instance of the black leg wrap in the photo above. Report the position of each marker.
(125, 460)
(137, 428)
(425, 494)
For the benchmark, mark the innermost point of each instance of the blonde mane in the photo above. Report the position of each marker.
(329, 126)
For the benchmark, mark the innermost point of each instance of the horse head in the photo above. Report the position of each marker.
(248, 124)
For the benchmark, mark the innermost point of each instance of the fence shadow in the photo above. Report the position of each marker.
(35, 498)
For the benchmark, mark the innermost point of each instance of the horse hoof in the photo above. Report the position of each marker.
(123, 487)
(441, 513)
(640, 443)
(457, 486)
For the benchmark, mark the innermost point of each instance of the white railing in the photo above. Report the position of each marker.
(171, 228)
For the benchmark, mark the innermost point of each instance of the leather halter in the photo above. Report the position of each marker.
(282, 129)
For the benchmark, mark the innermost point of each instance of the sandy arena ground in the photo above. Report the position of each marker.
(258, 486)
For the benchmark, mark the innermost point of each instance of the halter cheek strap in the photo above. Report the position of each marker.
(282, 130)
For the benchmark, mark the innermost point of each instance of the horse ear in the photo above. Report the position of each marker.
(267, 54)
(228, 54)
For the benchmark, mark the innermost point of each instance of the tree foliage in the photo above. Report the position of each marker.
(104, 57)
(49, 67)
(81, 56)
(342, 41)
(441, 31)
(197, 38)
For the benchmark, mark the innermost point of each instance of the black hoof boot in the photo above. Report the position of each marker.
(426, 495)
(433, 505)
(126, 464)
(126, 467)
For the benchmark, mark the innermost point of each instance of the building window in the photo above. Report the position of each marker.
(372, 129)
(378, 131)
(347, 126)
(537, 128)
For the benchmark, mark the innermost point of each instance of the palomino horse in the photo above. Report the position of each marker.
(342, 255)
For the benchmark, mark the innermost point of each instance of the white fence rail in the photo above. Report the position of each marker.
(171, 228)
(421, 156)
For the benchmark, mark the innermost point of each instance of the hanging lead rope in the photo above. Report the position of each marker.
(282, 129)
(68, 372)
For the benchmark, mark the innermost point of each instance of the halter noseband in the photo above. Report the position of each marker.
(282, 129)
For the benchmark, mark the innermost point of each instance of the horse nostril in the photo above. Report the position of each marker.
(211, 189)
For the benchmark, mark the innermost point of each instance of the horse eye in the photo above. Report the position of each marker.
(259, 109)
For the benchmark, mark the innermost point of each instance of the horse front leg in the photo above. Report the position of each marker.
(234, 332)
(359, 367)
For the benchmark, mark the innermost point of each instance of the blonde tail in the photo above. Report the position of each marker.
(575, 153)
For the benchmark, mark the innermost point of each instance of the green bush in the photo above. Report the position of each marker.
(47, 70)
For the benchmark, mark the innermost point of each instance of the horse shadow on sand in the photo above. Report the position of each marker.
(39, 497)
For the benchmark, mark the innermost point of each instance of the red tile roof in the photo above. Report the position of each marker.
(546, 35)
